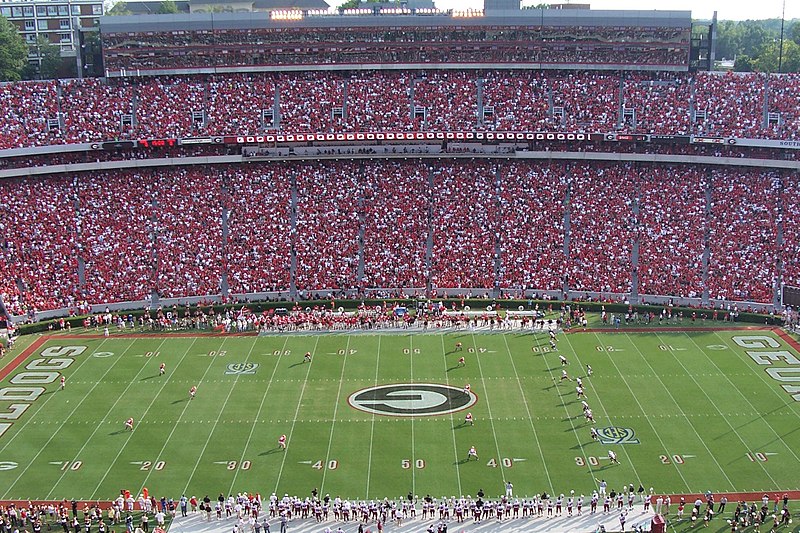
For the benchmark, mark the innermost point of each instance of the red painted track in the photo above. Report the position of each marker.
(24, 354)
(674, 329)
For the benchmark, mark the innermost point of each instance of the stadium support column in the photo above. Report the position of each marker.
(293, 240)
(567, 205)
(429, 241)
(223, 282)
(361, 230)
(777, 290)
(634, 298)
(707, 237)
(154, 296)
(79, 227)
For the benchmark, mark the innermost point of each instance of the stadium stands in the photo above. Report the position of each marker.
(186, 230)
(45, 113)
(181, 231)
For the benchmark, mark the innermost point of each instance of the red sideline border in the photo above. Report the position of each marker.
(689, 498)
(24, 354)
(672, 329)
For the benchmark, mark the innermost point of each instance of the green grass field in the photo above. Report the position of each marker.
(686, 412)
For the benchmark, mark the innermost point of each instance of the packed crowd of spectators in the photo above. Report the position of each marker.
(90, 110)
(464, 224)
(601, 227)
(743, 224)
(390, 225)
(188, 231)
(258, 247)
(415, 44)
(670, 229)
(396, 201)
(327, 233)
(532, 204)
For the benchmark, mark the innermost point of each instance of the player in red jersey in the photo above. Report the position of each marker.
(129, 424)
(459, 346)
(63, 382)
(162, 368)
(192, 392)
(468, 420)
(307, 357)
(462, 361)
(282, 442)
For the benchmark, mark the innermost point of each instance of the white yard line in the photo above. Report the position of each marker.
(41, 406)
(214, 427)
(452, 420)
(607, 415)
(566, 410)
(762, 375)
(258, 415)
(297, 410)
(713, 457)
(142, 418)
(530, 416)
(727, 420)
(413, 448)
(372, 425)
(333, 422)
(102, 422)
(489, 408)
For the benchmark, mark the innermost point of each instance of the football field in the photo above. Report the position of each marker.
(382, 415)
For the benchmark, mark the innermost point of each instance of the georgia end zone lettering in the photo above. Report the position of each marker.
(782, 365)
(26, 385)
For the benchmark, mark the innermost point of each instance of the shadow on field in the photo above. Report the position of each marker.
(270, 452)
(297, 364)
(461, 462)
(179, 401)
(740, 426)
(452, 368)
(460, 426)
(118, 432)
(149, 377)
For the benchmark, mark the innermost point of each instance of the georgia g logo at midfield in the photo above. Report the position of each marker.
(412, 399)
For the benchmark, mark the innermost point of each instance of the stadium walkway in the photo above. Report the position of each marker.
(586, 523)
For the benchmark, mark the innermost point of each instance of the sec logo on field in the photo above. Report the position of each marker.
(412, 399)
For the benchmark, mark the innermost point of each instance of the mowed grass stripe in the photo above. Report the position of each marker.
(241, 464)
(775, 407)
(372, 422)
(576, 368)
(290, 434)
(690, 397)
(540, 343)
(125, 443)
(633, 397)
(48, 448)
(453, 422)
(201, 386)
(336, 403)
(720, 399)
(26, 425)
(517, 459)
(528, 405)
(488, 399)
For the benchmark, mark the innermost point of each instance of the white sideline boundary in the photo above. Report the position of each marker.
(586, 523)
